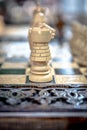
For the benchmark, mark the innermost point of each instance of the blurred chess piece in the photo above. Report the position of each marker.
(78, 43)
(1, 26)
(40, 35)
(60, 27)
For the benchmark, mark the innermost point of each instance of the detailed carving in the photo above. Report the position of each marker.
(48, 97)
(40, 35)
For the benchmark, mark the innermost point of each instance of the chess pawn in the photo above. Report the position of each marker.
(40, 70)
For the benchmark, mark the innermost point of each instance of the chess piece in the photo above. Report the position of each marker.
(78, 43)
(60, 27)
(40, 35)
(1, 26)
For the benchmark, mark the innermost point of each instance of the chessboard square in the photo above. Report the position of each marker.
(9, 65)
(62, 65)
(70, 79)
(12, 79)
(17, 59)
(67, 71)
(12, 71)
(27, 79)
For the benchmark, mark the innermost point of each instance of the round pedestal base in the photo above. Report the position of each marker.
(40, 78)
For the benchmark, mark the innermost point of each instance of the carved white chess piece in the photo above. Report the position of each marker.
(40, 35)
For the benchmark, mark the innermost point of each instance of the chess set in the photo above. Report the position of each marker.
(34, 85)
(67, 89)
(14, 71)
(39, 67)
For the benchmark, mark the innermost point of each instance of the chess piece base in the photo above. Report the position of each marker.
(40, 72)
(40, 78)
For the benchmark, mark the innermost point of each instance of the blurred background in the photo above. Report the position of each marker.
(16, 17)
(59, 12)
(20, 11)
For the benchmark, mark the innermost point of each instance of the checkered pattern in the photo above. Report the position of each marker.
(16, 71)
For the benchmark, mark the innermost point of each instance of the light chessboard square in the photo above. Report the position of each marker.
(10, 65)
(63, 65)
(70, 79)
(12, 79)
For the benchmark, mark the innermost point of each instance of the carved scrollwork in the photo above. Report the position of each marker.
(56, 97)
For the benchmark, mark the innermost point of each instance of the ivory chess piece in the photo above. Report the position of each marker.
(40, 35)
(78, 43)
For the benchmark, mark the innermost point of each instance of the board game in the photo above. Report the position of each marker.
(23, 101)
(14, 70)
(43, 75)
(69, 80)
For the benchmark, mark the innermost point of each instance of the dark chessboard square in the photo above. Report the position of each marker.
(12, 71)
(12, 39)
(27, 79)
(67, 71)
(17, 59)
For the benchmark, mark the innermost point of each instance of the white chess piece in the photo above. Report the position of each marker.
(40, 35)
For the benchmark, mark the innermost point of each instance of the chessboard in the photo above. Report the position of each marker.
(14, 70)
(25, 102)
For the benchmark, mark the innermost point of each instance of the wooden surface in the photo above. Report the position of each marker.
(43, 123)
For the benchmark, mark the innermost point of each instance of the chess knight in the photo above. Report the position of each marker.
(40, 35)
